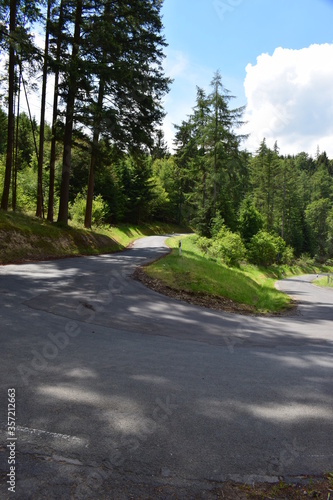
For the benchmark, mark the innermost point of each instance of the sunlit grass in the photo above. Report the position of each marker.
(126, 233)
(196, 272)
(325, 282)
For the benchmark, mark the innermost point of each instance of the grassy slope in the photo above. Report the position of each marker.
(195, 272)
(324, 282)
(25, 238)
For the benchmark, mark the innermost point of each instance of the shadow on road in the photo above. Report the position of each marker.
(118, 386)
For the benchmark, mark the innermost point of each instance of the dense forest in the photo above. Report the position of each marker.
(102, 159)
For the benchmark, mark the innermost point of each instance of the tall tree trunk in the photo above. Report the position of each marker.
(11, 92)
(14, 182)
(91, 179)
(55, 115)
(96, 134)
(40, 204)
(72, 88)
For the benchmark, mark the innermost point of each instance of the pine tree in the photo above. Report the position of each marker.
(56, 65)
(224, 142)
(265, 175)
(40, 204)
(11, 91)
(213, 159)
(71, 95)
(16, 38)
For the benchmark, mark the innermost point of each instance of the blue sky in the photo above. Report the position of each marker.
(206, 35)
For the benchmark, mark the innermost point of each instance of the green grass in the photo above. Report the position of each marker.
(197, 273)
(125, 234)
(24, 237)
(324, 282)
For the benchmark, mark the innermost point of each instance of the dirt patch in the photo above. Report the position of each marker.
(304, 488)
(204, 300)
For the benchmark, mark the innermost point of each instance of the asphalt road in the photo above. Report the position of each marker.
(121, 391)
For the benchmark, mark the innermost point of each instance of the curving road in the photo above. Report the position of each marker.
(121, 391)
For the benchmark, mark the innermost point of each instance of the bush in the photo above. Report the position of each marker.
(266, 248)
(78, 209)
(226, 245)
(204, 243)
(232, 248)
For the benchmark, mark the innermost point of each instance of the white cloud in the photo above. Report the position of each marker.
(290, 99)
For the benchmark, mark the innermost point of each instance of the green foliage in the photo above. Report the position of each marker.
(167, 186)
(137, 187)
(217, 224)
(160, 202)
(305, 260)
(108, 186)
(329, 222)
(204, 243)
(26, 188)
(288, 256)
(25, 140)
(250, 220)
(201, 219)
(212, 164)
(318, 218)
(266, 248)
(78, 208)
(265, 177)
(229, 247)
(226, 245)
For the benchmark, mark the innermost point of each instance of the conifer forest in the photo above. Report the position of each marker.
(101, 157)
